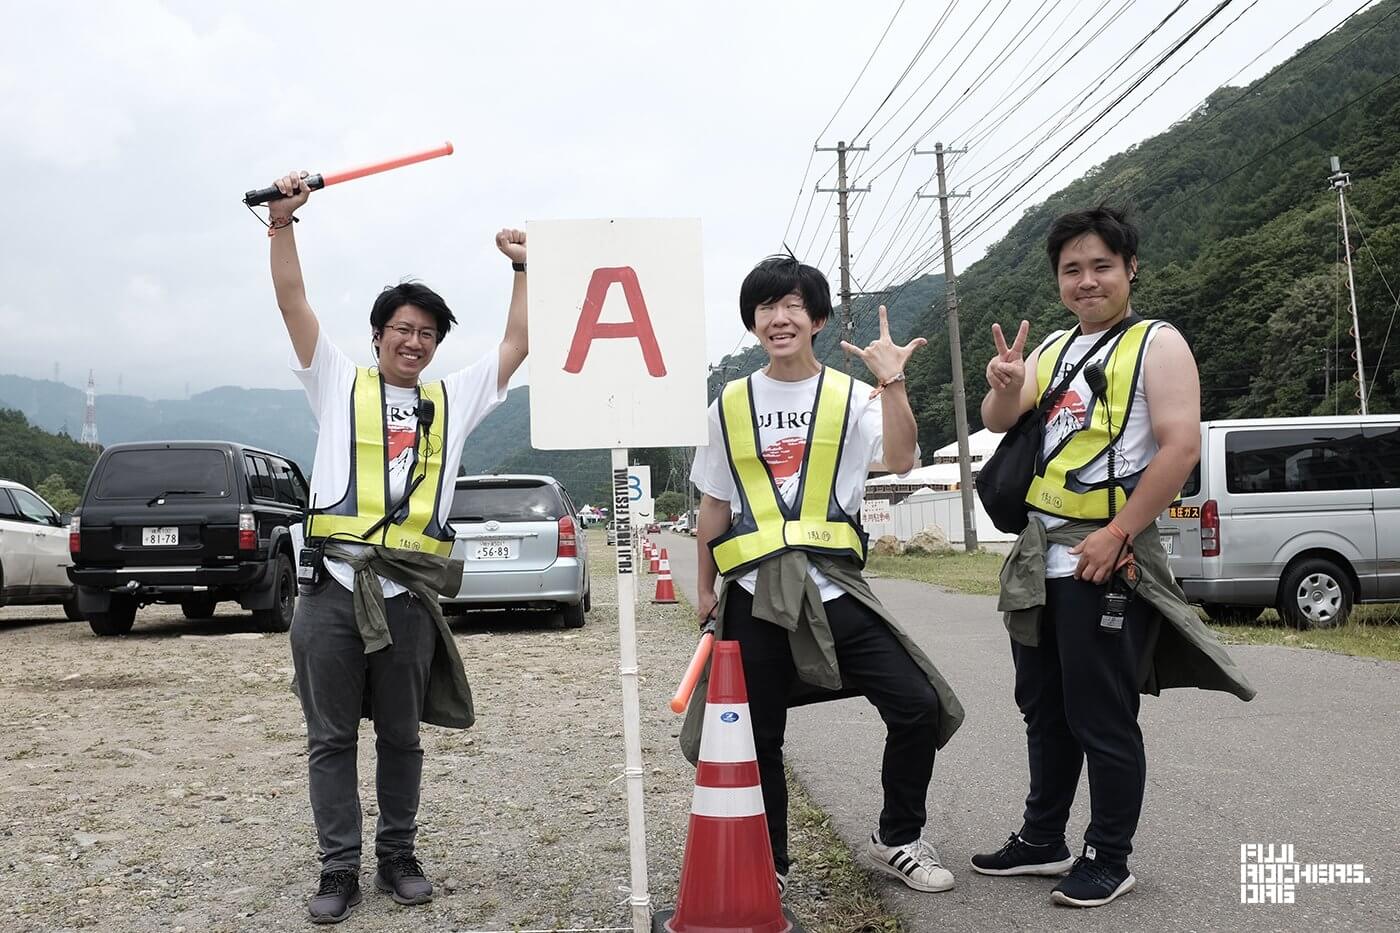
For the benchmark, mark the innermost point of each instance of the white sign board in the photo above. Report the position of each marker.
(617, 334)
(875, 512)
(639, 487)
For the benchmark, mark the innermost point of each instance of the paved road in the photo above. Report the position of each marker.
(1311, 762)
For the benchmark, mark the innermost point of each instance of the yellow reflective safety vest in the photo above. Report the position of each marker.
(367, 494)
(1056, 488)
(766, 524)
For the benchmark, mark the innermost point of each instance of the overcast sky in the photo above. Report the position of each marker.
(128, 133)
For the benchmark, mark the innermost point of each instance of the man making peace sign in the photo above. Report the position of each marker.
(1094, 615)
(782, 478)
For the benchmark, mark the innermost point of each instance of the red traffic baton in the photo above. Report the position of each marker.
(319, 181)
(692, 673)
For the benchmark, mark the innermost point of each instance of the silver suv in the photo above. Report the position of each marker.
(1302, 514)
(520, 546)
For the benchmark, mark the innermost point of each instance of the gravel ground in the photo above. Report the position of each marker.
(158, 781)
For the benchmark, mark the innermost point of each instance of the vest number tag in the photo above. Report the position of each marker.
(823, 536)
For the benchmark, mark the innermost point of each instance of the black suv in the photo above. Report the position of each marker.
(188, 522)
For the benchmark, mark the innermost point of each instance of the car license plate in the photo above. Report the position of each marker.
(1169, 544)
(496, 550)
(163, 536)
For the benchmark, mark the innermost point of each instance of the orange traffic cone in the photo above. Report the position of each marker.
(655, 565)
(727, 878)
(665, 588)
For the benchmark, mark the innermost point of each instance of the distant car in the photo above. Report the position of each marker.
(33, 552)
(653, 528)
(188, 522)
(520, 546)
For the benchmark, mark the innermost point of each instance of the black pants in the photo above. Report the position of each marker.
(1079, 694)
(332, 673)
(873, 662)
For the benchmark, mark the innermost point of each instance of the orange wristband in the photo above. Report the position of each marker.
(1118, 532)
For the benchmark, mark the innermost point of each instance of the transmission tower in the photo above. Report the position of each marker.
(89, 437)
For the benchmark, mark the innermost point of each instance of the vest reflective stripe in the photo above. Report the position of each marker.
(1056, 488)
(367, 494)
(765, 524)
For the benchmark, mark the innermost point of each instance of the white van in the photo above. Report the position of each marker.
(1301, 514)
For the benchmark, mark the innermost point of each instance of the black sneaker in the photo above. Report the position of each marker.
(401, 877)
(1019, 857)
(1092, 883)
(336, 897)
(782, 884)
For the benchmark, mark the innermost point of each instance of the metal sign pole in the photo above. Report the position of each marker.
(631, 699)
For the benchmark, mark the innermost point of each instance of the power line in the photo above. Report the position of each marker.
(1279, 145)
(1253, 90)
(976, 45)
(878, 43)
(987, 213)
(1366, 244)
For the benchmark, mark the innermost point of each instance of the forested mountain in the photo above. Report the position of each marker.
(1240, 241)
(30, 455)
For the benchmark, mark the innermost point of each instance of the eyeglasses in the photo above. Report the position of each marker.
(426, 334)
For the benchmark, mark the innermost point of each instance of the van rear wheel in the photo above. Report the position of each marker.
(1315, 593)
(1223, 614)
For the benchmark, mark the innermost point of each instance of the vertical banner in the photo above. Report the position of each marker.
(617, 334)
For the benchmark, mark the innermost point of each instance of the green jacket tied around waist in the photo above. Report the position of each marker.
(448, 697)
(787, 597)
(1186, 652)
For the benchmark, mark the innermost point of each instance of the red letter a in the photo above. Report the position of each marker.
(589, 329)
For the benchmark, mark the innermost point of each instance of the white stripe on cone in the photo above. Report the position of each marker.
(724, 741)
(727, 801)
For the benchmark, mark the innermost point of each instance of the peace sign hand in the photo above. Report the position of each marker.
(1006, 372)
(883, 357)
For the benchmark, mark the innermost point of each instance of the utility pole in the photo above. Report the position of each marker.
(847, 322)
(1341, 181)
(950, 293)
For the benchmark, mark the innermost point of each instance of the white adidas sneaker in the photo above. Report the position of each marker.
(915, 863)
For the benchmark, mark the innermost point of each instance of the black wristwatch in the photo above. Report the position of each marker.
(518, 266)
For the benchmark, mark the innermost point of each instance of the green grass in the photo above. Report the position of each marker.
(828, 891)
(1372, 631)
(974, 573)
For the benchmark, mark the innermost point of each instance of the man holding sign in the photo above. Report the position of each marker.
(368, 634)
(782, 481)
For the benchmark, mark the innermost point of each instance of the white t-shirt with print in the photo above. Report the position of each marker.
(1134, 447)
(784, 411)
(329, 382)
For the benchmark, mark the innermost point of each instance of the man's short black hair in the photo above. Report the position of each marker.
(411, 293)
(779, 276)
(1110, 223)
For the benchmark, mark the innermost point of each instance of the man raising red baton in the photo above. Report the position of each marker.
(368, 634)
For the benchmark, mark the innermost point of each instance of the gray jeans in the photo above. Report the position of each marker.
(332, 674)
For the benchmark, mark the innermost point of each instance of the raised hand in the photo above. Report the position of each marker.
(1006, 372)
(294, 195)
(883, 357)
(512, 243)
